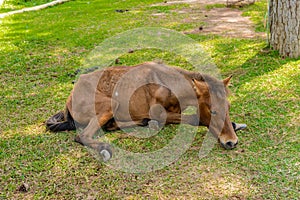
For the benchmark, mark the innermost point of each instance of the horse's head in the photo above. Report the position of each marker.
(214, 109)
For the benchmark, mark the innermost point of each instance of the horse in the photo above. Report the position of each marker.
(125, 96)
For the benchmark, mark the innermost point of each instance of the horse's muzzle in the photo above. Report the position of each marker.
(229, 145)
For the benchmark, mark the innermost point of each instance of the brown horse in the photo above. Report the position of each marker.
(119, 97)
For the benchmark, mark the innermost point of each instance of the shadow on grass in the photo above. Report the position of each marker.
(53, 165)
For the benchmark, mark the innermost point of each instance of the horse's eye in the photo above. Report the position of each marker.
(213, 112)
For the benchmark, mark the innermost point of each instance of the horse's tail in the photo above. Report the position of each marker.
(61, 122)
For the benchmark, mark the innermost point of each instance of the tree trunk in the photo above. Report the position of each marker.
(284, 19)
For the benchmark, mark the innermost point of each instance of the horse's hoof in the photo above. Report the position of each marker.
(153, 125)
(105, 152)
(238, 127)
(106, 156)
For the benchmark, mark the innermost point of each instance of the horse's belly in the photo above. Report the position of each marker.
(134, 109)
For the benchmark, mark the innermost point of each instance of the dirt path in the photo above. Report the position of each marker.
(35, 8)
(228, 22)
(205, 2)
(221, 21)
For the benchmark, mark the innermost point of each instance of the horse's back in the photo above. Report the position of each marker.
(133, 87)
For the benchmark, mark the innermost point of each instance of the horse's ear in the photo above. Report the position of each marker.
(199, 87)
(227, 80)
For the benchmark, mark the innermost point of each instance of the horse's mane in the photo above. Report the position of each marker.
(215, 85)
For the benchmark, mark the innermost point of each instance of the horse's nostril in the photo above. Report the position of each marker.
(230, 145)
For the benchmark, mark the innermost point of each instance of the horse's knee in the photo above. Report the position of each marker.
(78, 139)
(158, 113)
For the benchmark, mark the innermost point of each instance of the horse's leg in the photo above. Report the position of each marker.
(177, 118)
(194, 121)
(120, 125)
(86, 137)
(158, 116)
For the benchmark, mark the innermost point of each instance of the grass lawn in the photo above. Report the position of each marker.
(39, 52)
(10, 5)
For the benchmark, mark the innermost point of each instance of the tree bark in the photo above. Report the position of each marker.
(284, 20)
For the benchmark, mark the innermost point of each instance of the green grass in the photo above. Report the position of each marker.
(257, 13)
(217, 5)
(41, 50)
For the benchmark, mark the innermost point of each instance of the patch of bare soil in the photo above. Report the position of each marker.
(205, 2)
(227, 22)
